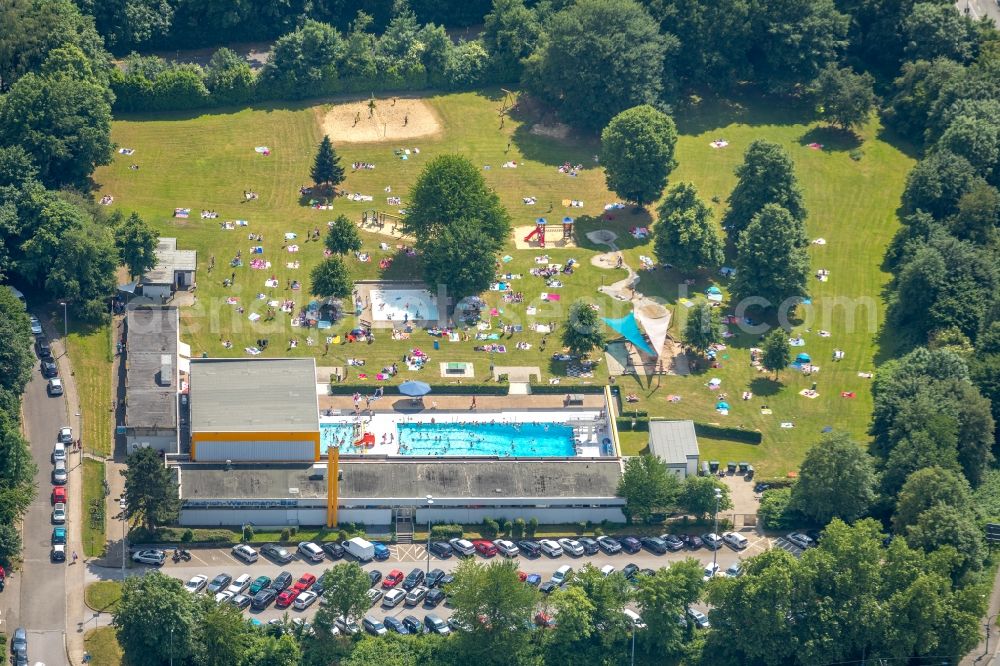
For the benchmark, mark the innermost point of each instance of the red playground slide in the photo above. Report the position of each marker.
(537, 231)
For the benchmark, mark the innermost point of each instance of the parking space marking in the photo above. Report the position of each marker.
(410, 552)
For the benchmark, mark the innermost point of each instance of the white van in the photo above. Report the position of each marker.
(561, 574)
(607, 570)
(634, 618)
(737, 541)
(59, 452)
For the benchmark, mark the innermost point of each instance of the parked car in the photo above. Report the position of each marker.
(311, 552)
(534, 580)
(414, 625)
(735, 570)
(58, 553)
(219, 583)
(654, 544)
(485, 547)
(49, 368)
(334, 550)
(441, 549)
(317, 587)
(630, 545)
(436, 625)
(374, 595)
(462, 546)
(59, 474)
(276, 552)
(65, 435)
(259, 583)
(392, 579)
(711, 570)
(373, 626)
(506, 548)
(196, 583)
(700, 619)
(305, 581)
(673, 542)
(58, 496)
(692, 541)
(434, 598)
(281, 581)
(416, 595)
(529, 548)
(414, 578)
(59, 513)
(590, 546)
(347, 626)
(630, 570)
(735, 540)
(562, 574)
(393, 598)
(547, 587)
(712, 540)
(36, 326)
(607, 570)
(634, 618)
(241, 601)
(153, 556)
(392, 624)
(42, 348)
(550, 548)
(571, 546)
(374, 576)
(381, 551)
(609, 545)
(286, 598)
(263, 599)
(244, 552)
(800, 540)
(54, 388)
(223, 597)
(433, 578)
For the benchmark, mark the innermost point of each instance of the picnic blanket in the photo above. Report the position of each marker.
(182, 212)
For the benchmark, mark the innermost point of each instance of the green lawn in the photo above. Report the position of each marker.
(102, 645)
(103, 595)
(90, 353)
(207, 161)
(93, 489)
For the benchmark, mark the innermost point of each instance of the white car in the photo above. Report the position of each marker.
(607, 570)
(65, 435)
(562, 574)
(310, 551)
(506, 548)
(571, 546)
(550, 548)
(737, 541)
(393, 598)
(59, 513)
(59, 452)
(54, 387)
(59, 474)
(245, 553)
(735, 570)
(36, 326)
(304, 600)
(711, 570)
(699, 618)
(153, 556)
(634, 618)
(239, 585)
(800, 540)
(196, 584)
(223, 597)
(462, 546)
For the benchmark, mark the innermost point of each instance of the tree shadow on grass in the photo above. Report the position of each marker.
(765, 386)
(746, 106)
(831, 139)
(402, 268)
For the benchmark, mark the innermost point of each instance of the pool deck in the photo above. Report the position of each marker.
(451, 403)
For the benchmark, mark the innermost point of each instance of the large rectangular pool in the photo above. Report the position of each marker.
(485, 439)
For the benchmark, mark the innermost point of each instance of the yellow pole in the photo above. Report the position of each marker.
(332, 464)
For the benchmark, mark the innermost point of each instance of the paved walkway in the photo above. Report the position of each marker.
(979, 656)
(402, 404)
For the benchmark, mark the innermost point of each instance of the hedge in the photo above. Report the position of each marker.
(725, 432)
(446, 389)
(553, 389)
(447, 531)
(625, 424)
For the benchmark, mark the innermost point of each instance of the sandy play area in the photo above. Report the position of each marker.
(391, 119)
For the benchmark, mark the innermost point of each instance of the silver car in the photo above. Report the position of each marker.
(153, 556)
(59, 475)
(59, 513)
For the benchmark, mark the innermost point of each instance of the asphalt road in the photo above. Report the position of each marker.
(980, 8)
(212, 562)
(41, 606)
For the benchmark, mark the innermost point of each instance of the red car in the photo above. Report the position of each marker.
(544, 620)
(286, 598)
(304, 583)
(392, 579)
(485, 548)
(58, 495)
(521, 576)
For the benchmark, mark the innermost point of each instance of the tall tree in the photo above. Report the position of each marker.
(582, 331)
(608, 52)
(331, 279)
(766, 176)
(326, 169)
(662, 598)
(935, 30)
(928, 487)
(343, 236)
(461, 257)
(595, 626)
(685, 235)
(637, 151)
(703, 327)
(511, 32)
(345, 588)
(844, 97)
(151, 494)
(978, 216)
(937, 182)
(771, 262)
(945, 525)
(836, 480)
(156, 619)
(647, 486)
(16, 357)
(222, 634)
(975, 139)
(776, 353)
(698, 496)
(136, 242)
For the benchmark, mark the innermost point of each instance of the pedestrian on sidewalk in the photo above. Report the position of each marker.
(75, 556)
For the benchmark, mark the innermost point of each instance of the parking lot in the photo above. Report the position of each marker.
(405, 557)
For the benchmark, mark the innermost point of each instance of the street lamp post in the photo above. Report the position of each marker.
(430, 503)
(633, 644)
(715, 547)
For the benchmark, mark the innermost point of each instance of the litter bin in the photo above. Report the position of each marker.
(437, 345)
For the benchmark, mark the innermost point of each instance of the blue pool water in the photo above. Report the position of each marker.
(485, 439)
(331, 433)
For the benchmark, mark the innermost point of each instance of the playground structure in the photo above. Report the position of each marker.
(563, 232)
(378, 218)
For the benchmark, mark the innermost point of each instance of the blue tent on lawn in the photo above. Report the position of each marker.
(803, 358)
(629, 328)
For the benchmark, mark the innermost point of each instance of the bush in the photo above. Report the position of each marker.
(598, 532)
(285, 535)
(581, 527)
(446, 531)
(505, 526)
(532, 527)
(293, 531)
(187, 537)
(517, 531)
(490, 528)
(248, 533)
(628, 423)
(775, 510)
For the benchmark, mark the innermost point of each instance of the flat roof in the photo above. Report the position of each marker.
(151, 402)
(406, 479)
(168, 261)
(673, 441)
(253, 395)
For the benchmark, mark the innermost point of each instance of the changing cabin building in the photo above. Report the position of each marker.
(676, 444)
(174, 270)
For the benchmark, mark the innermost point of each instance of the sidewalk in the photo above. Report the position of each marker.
(978, 655)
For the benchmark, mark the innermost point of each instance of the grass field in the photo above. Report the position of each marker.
(207, 161)
(103, 595)
(93, 488)
(90, 353)
(102, 645)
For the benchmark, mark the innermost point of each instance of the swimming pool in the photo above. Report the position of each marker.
(486, 439)
(332, 433)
